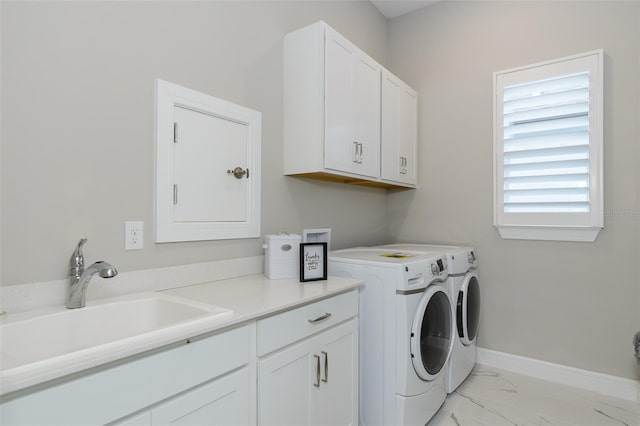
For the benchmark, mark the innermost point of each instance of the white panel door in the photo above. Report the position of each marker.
(407, 134)
(399, 130)
(286, 388)
(224, 401)
(206, 147)
(314, 382)
(337, 402)
(340, 138)
(366, 115)
(352, 108)
(199, 139)
(390, 116)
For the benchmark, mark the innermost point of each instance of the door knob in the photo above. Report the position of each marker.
(239, 172)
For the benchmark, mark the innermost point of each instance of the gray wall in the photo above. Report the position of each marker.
(569, 303)
(77, 146)
(78, 124)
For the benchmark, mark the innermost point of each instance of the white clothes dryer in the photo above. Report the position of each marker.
(464, 290)
(405, 321)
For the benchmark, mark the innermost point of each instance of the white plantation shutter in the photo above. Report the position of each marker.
(548, 143)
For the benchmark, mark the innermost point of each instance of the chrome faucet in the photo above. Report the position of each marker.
(79, 277)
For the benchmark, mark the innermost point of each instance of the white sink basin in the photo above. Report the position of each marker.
(28, 339)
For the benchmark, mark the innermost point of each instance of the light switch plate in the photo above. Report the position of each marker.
(133, 235)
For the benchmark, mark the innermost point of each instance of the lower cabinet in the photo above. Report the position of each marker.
(313, 382)
(223, 401)
(205, 371)
(298, 367)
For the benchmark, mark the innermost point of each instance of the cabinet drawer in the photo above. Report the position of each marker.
(223, 402)
(280, 330)
(103, 395)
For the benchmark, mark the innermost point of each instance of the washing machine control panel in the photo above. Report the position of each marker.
(422, 273)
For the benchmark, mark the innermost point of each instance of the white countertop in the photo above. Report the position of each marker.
(255, 296)
(250, 297)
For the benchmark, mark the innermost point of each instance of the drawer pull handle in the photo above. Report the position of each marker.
(317, 383)
(326, 367)
(320, 318)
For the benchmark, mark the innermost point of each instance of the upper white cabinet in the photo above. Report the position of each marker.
(398, 130)
(207, 167)
(352, 108)
(333, 109)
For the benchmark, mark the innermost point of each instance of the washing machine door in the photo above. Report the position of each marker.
(468, 309)
(431, 333)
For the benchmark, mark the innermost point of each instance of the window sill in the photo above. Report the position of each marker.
(548, 233)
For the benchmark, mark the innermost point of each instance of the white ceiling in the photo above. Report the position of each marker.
(394, 8)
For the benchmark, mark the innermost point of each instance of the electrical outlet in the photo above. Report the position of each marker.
(133, 235)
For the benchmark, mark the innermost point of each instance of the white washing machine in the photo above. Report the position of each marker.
(405, 332)
(465, 296)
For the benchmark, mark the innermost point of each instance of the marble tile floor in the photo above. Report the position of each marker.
(495, 397)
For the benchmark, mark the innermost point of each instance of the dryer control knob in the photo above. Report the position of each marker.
(471, 257)
(434, 269)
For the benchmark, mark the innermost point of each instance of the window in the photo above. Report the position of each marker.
(548, 149)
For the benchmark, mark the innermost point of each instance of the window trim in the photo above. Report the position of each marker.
(554, 226)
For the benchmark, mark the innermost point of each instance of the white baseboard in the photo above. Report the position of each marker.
(596, 382)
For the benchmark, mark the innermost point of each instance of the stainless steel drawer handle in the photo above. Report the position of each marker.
(320, 318)
(326, 367)
(317, 383)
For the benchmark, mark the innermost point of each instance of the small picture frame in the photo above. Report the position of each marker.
(313, 261)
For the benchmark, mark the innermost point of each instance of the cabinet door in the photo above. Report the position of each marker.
(286, 388)
(399, 130)
(366, 115)
(314, 382)
(224, 401)
(340, 138)
(207, 147)
(207, 150)
(337, 401)
(352, 108)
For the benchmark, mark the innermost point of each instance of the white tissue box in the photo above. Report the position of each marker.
(282, 256)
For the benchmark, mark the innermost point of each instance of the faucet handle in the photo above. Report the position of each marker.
(77, 259)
